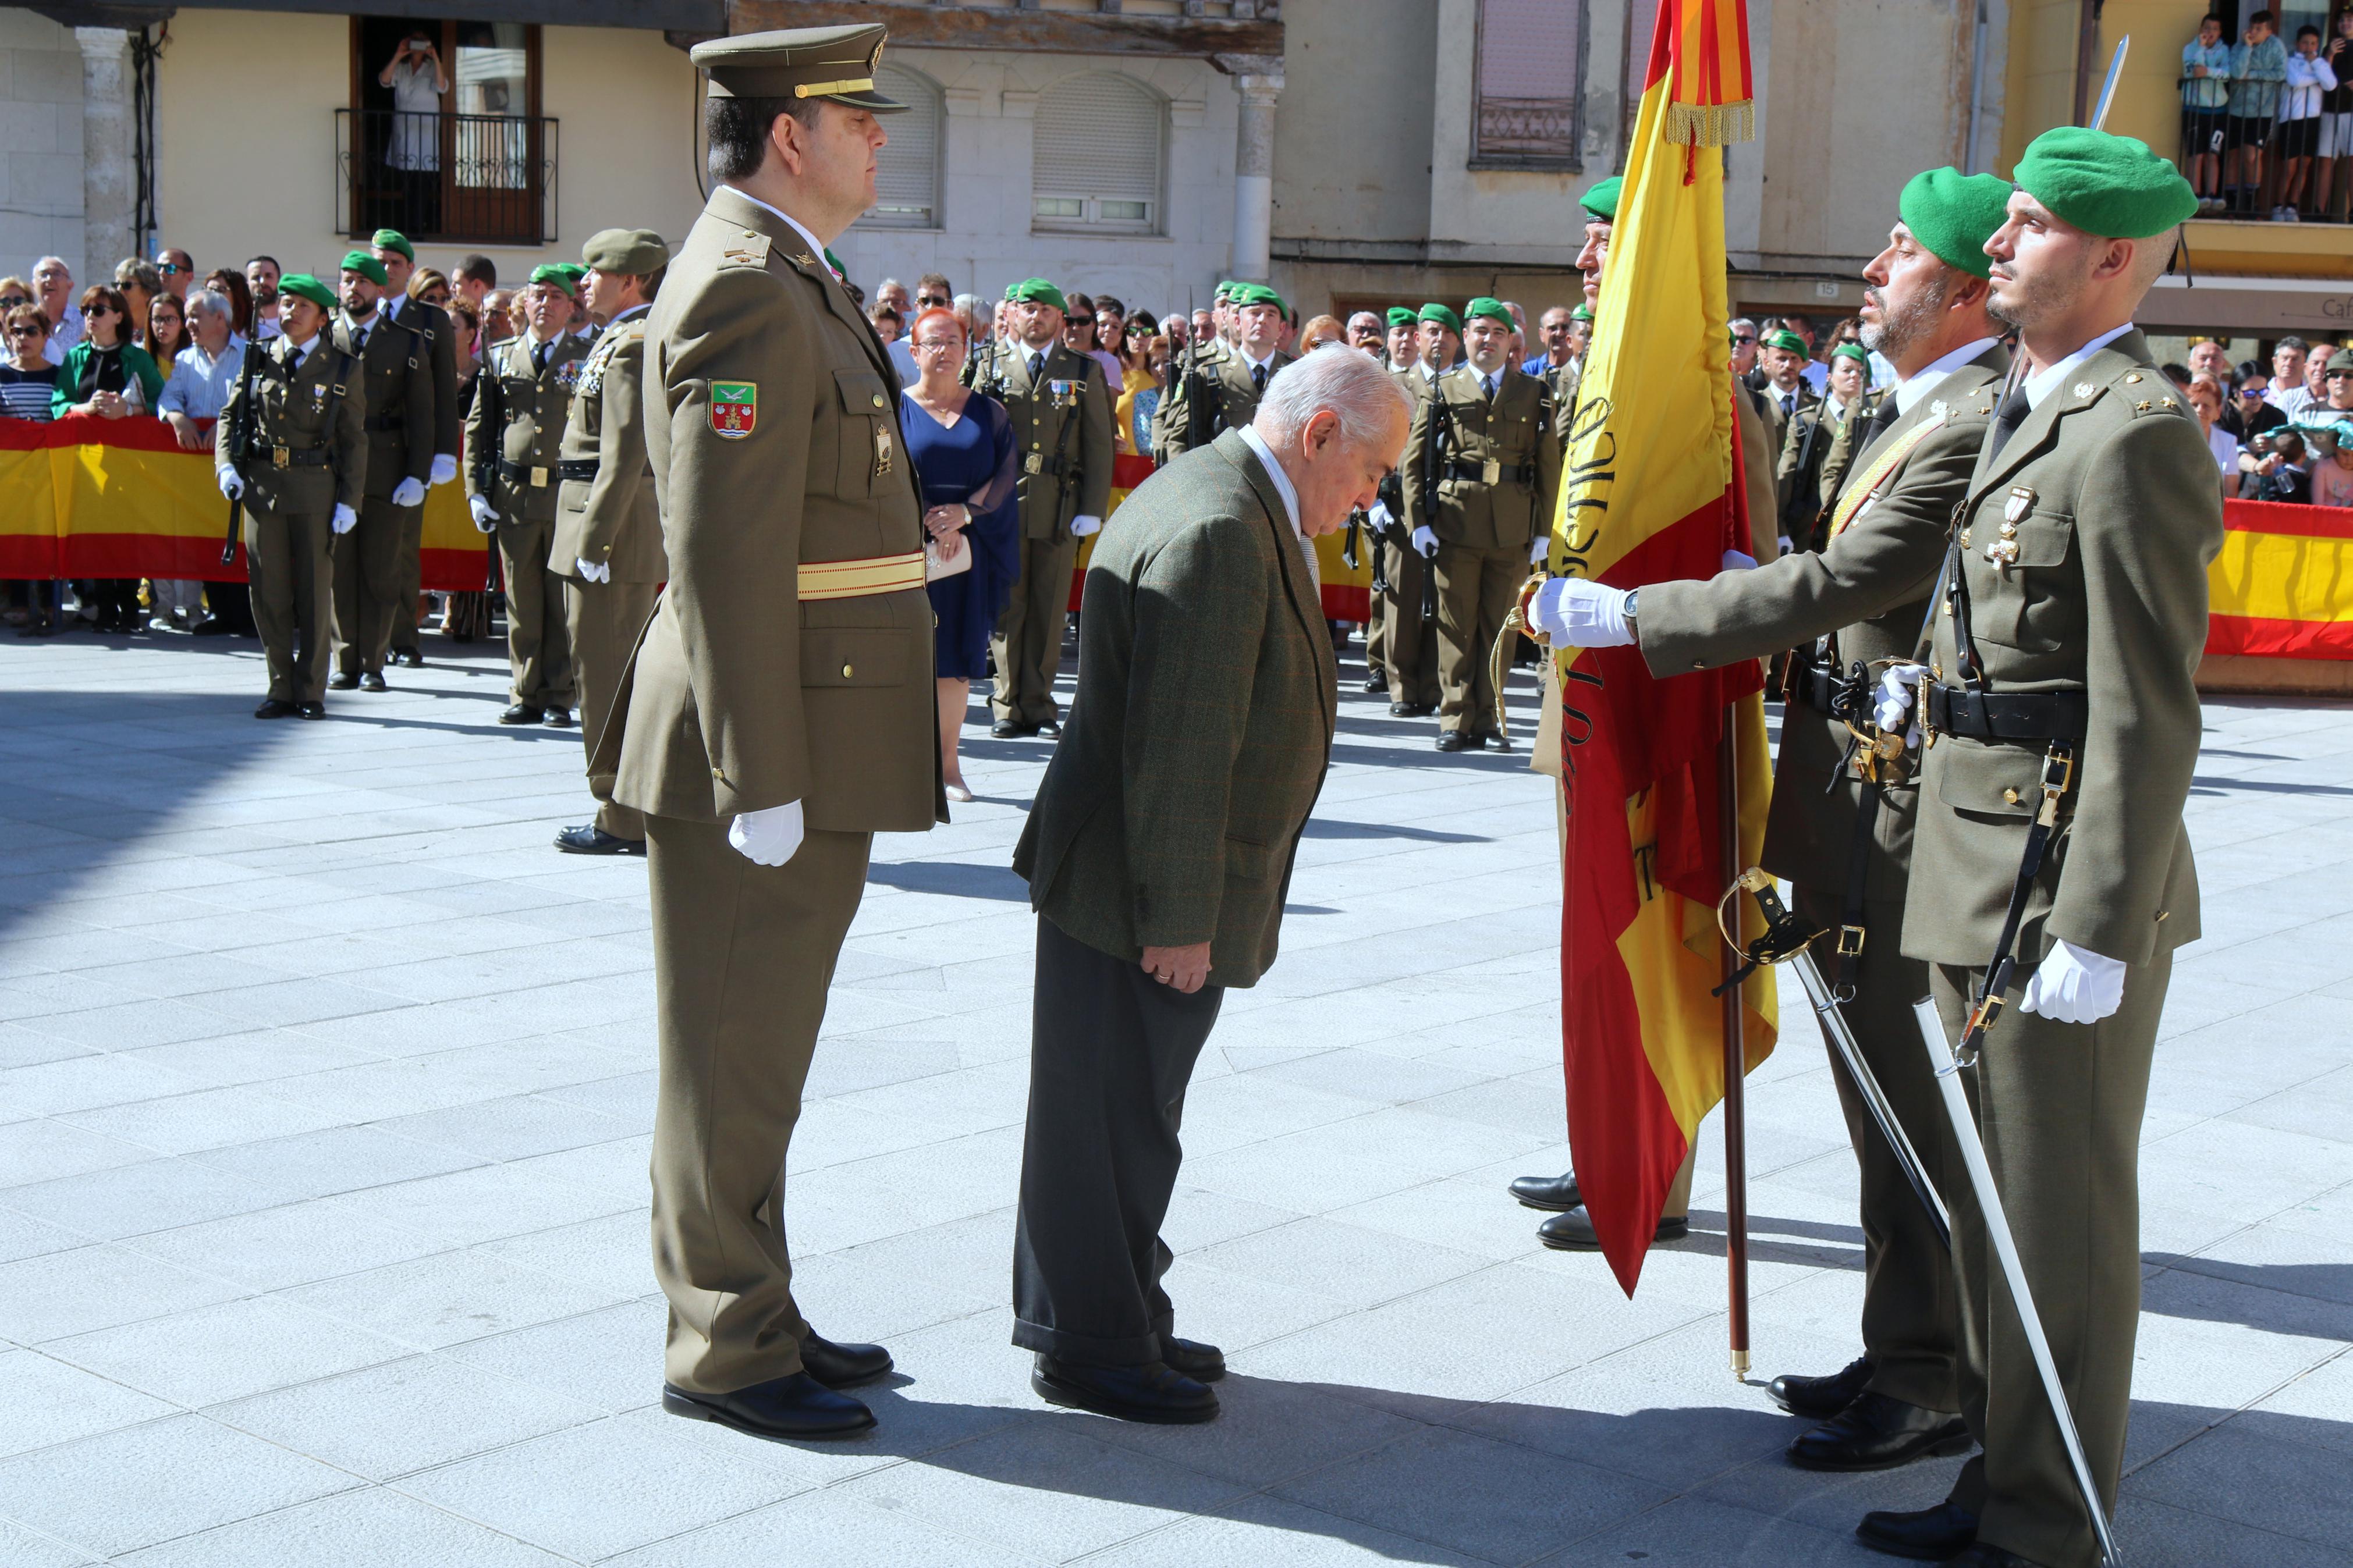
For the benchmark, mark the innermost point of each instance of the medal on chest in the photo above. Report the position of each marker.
(2002, 549)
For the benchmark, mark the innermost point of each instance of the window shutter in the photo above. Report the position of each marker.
(1530, 80)
(1096, 156)
(907, 174)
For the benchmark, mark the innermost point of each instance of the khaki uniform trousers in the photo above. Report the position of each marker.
(744, 955)
(367, 583)
(1474, 593)
(409, 581)
(604, 620)
(1027, 643)
(539, 648)
(1911, 1317)
(2060, 1107)
(1409, 642)
(293, 576)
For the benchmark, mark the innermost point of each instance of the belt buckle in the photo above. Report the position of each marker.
(1033, 463)
(1849, 941)
(538, 479)
(1491, 472)
(280, 457)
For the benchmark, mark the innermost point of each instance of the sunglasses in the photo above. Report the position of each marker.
(9, 302)
(26, 332)
(168, 268)
(1744, 338)
(940, 301)
(2337, 376)
(98, 312)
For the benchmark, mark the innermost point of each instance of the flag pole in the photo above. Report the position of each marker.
(1735, 1062)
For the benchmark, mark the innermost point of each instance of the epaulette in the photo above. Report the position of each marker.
(749, 248)
(2145, 391)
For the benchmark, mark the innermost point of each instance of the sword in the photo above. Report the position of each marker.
(2109, 88)
(1947, 1069)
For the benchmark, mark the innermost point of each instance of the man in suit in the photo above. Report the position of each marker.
(398, 259)
(1840, 832)
(1237, 378)
(1159, 854)
(607, 547)
(2063, 687)
(400, 415)
(516, 430)
(779, 712)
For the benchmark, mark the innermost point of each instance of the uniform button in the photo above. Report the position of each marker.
(878, 400)
(717, 774)
(2010, 795)
(846, 672)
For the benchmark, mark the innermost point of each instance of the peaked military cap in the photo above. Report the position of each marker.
(1402, 316)
(2110, 186)
(1493, 308)
(303, 286)
(838, 63)
(1955, 214)
(364, 264)
(636, 252)
(1601, 201)
(1444, 315)
(393, 239)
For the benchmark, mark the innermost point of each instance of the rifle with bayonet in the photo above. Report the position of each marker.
(238, 434)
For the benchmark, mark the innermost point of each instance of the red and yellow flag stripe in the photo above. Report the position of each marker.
(2282, 586)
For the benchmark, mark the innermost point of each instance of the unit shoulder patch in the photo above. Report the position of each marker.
(734, 408)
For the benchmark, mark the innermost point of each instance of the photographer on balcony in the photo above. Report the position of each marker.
(413, 151)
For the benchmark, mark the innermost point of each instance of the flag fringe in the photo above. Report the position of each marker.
(1710, 125)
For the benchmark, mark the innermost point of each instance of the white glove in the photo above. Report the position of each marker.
(767, 837)
(1733, 561)
(445, 468)
(2074, 986)
(1083, 524)
(1786, 547)
(408, 492)
(345, 520)
(1379, 515)
(602, 573)
(1571, 612)
(1538, 551)
(1425, 542)
(230, 485)
(486, 516)
(1898, 690)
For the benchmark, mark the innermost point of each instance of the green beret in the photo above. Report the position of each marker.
(1493, 308)
(1038, 291)
(552, 273)
(2109, 186)
(635, 252)
(1444, 315)
(393, 239)
(1785, 339)
(1854, 351)
(1402, 316)
(1258, 294)
(302, 286)
(573, 273)
(366, 266)
(1225, 286)
(1582, 313)
(1955, 214)
(1601, 201)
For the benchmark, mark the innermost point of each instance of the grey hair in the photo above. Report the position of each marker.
(208, 302)
(978, 309)
(1349, 381)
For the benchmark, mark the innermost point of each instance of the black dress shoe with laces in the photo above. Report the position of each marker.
(1574, 1232)
(275, 708)
(588, 839)
(1924, 1535)
(309, 710)
(373, 681)
(343, 682)
(1557, 1194)
(1201, 1362)
(782, 1409)
(522, 713)
(843, 1366)
(1153, 1392)
(1878, 1432)
(1820, 1398)
(1375, 684)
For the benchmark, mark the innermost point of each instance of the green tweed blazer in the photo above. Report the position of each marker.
(1201, 729)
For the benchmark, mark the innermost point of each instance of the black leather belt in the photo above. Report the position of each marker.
(1818, 688)
(1039, 463)
(2028, 717)
(523, 473)
(1491, 472)
(287, 458)
(576, 467)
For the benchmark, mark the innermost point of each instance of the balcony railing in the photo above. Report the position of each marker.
(480, 179)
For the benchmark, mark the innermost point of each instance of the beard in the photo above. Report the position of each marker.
(2020, 301)
(1913, 322)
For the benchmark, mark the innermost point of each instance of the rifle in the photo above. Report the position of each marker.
(240, 437)
(490, 390)
(1204, 403)
(1437, 450)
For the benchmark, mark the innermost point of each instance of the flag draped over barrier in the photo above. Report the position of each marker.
(1652, 491)
(2282, 586)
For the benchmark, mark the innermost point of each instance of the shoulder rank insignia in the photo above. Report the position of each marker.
(734, 408)
(751, 250)
(2084, 389)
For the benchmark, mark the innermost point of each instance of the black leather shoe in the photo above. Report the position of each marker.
(409, 657)
(782, 1409)
(1980, 1555)
(843, 1366)
(210, 626)
(1148, 1393)
(310, 710)
(1878, 1432)
(1495, 743)
(373, 681)
(559, 719)
(1820, 1398)
(1924, 1535)
(1574, 1232)
(275, 708)
(1456, 741)
(1557, 1194)
(1006, 730)
(1191, 1358)
(341, 682)
(590, 839)
(1400, 710)
(522, 713)
(1375, 684)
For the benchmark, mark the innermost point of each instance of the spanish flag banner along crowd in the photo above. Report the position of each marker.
(2282, 586)
(1652, 491)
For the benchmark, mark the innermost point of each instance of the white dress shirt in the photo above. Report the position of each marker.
(1913, 388)
(1284, 488)
(816, 246)
(2043, 382)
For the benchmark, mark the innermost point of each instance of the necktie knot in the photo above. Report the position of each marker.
(1257, 376)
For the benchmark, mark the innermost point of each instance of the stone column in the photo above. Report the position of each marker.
(106, 206)
(1258, 79)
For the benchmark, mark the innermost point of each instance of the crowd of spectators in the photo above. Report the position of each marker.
(2266, 122)
(2282, 430)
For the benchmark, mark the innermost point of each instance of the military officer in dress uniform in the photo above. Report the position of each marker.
(1061, 412)
(1409, 637)
(301, 472)
(1387, 517)
(1236, 379)
(766, 745)
(393, 367)
(515, 431)
(1482, 476)
(1404, 342)
(2060, 698)
(607, 547)
(399, 260)
(1841, 828)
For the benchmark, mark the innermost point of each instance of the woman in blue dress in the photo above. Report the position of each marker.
(961, 444)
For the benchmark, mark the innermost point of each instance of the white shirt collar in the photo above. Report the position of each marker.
(306, 350)
(2043, 382)
(816, 246)
(1913, 387)
(1266, 365)
(1282, 486)
(632, 310)
(1428, 374)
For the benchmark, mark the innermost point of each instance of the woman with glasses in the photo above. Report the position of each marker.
(28, 382)
(1140, 383)
(167, 330)
(961, 444)
(108, 375)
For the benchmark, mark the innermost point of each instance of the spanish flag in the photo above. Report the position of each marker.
(1652, 491)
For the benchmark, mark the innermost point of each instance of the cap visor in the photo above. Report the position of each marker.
(873, 102)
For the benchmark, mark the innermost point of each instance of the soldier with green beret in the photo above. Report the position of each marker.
(296, 454)
(394, 368)
(430, 322)
(1221, 392)
(515, 434)
(1396, 562)
(607, 548)
(1601, 200)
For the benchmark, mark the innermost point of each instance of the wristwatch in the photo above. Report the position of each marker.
(1630, 596)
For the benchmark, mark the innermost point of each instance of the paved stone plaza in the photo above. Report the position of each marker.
(326, 1098)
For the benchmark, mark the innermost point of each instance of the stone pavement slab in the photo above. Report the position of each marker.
(326, 1095)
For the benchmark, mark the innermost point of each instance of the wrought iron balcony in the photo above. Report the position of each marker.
(458, 179)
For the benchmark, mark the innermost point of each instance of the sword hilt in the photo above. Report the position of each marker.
(1784, 936)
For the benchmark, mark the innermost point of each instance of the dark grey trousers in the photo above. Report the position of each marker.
(1110, 1053)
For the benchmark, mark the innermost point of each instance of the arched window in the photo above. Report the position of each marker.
(907, 175)
(1097, 154)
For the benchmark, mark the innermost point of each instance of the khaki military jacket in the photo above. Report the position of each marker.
(1502, 474)
(1071, 391)
(1237, 395)
(2107, 491)
(440, 335)
(1867, 592)
(531, 408)
(772, 428)
(607, 514)
(399, 381)
(319, 406)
